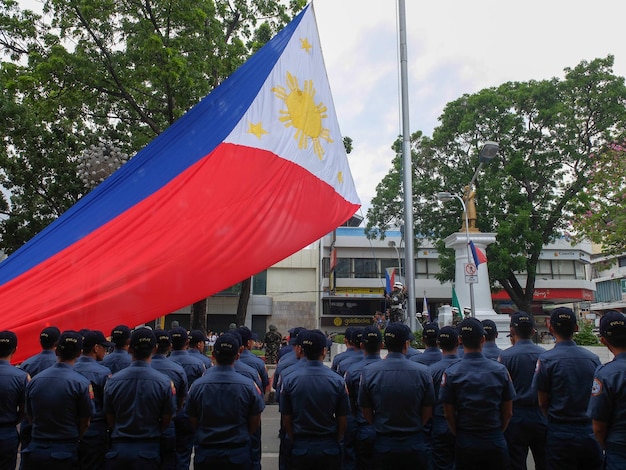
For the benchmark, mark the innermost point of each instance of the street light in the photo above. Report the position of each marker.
(445, 196)
(488, 152)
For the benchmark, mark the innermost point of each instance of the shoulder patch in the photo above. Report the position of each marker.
(173, 388)
(257, 388)
(443, 379)
(538, 365)
(596, 388)
(91, 394)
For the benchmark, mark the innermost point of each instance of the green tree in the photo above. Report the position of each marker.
(91, 72)
(600, 215)
(548, 133)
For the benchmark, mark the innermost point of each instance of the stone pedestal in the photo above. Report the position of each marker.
(482, 292)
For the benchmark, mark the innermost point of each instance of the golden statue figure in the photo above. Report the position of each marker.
(468, 198)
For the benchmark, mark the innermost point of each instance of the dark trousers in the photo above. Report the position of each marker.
(92, 447)
(168, 448)
(572, 447)
(477, 452)
(222, 458)
(524, 435)
(133, 456)
(9, 443)
(394, 452)
(50, 456)
(442, 447)
(184, 440)
(364, 447)
(315, 454)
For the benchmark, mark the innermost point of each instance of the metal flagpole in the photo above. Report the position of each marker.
(409, 244)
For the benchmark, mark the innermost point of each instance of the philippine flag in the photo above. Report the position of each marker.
(252, 174)
(390, 279)
(478, 254)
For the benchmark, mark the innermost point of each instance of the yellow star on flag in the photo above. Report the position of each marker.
(305, 44)
(340, 176)
(257, 129)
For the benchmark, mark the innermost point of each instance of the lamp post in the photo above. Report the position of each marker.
(488, 152)
(392, 244)
(445, 196)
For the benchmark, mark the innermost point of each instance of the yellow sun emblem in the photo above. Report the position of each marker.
(303, 114)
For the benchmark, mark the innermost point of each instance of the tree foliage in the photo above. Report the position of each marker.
(548, 131)
(600, 215)
(86, 72)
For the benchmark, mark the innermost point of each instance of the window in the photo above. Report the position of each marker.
(365, 268)
(259, 283)
(621, 261)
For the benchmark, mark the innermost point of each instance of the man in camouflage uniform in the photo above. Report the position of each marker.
(272, 342)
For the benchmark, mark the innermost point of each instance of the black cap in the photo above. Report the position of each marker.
(430, 330)
(563, 320)
(491, 329)
(613, 325)
(70, 343)
(120, 333)
(408, 331)
(471, 328)
(448, 337)
(49, 336)
(93, 337)
(246, 334)
(371, 336)
(396, 334)
(179, 336)
(348, 333)
(313, 342)
(142, 339)
(162, 337)
(521, 319)
(357, 334)
(294, 333)
(226, 345)
(8, 342)
(235, 335)
(196, 336)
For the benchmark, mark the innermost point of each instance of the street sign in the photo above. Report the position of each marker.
(471, 273)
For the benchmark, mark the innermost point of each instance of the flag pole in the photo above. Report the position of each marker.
(409, 244)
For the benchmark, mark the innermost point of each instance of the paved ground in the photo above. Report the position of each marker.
(270, 422)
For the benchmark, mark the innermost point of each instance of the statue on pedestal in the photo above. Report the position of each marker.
(468, 198)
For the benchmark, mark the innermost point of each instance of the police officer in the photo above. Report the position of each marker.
(607, 406)
(194, 368)
(396, 395)
(139, 403)
(225, 409)
(563, 379)
(490, 349)
(119, 358)
(197, 345)
(442, 441)
(286, 359)
(314, 403)
(93, 443)
(13, 383)
(48, 339)
(527, 429)
(364, 434)
(350, 349)
(59, 406)
(177, 375)
(477, 395)
(432, 353)
(357, 354)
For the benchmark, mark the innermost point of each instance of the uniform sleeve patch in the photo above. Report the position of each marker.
(173, 388)
(537, 366)
(443, 379)
(91, 394)
(596, 388)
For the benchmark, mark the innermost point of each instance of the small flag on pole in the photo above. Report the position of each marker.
(478, 254)
(425, 311)
(390, 278)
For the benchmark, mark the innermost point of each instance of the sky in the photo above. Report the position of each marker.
(454, 47)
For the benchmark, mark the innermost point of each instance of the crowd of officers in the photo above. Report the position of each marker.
(156, 399)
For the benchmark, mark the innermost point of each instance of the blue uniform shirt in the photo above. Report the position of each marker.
(285, 361)
(174, 371)
(35, 364)
(97, 375)
(436, 371)
(353, 380)
(223, 401)
(117, 360)
(411, 351)
(314, 395)
(194, 367)
(608, 399)
(397, 389)
(342, 356)
(248, 358)
(203, 357)
(13, 383)
(521, 361)
(345, 364)
(491, 350)
(566, 373)
(431, 355)
(56, 400)
(138, 397)
(248, 371)
(477, 387)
